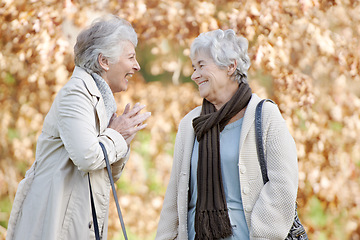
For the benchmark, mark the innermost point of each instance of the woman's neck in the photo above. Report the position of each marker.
(222, 100)
(238, 115)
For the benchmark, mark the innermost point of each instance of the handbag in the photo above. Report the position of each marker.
(297, 230)
(96, 227)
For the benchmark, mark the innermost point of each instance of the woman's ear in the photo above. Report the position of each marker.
(232, 68)
(104, 63)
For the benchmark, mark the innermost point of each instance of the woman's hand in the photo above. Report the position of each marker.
(130, 122)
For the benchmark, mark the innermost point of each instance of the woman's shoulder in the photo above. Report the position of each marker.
(192, 114)
(271, 109)
(186, 121)
(272, 115)
(76, 80)
(81, 81)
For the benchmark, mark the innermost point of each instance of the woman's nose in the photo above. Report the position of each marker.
(195, 75)
(137, 66)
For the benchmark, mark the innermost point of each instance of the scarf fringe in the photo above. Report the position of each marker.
(215, 224)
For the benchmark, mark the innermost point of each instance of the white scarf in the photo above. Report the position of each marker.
(106, 93)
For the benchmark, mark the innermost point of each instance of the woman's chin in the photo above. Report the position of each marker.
(203, 93)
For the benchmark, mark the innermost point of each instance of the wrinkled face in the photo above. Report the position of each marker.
(117, 74)
(214, 83)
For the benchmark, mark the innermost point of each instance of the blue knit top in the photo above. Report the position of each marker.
(229, 154)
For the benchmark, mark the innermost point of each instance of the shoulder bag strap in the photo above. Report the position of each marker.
(259, 139)
(297, 230)
(114, 190)
(96, 226)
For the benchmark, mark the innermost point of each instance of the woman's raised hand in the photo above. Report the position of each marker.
(130, 122)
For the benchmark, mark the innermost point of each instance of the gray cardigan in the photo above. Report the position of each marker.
(269, 209)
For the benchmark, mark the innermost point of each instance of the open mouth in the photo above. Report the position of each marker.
(129, 75)
(202, 83)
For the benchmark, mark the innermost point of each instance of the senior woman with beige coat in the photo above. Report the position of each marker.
(216, 190)
(53, 200)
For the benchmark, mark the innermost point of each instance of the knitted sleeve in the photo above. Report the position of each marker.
(169, 220)
(273, 212)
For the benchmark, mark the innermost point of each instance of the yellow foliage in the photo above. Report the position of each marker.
(305, 56)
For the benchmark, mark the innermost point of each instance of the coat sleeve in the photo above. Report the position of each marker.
(168, 226)
(77, 128)
(117, 167)
(276, 202)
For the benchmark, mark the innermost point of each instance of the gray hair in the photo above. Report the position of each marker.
(104, 36)
(224, 47)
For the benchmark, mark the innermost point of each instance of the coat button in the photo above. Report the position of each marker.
(248, 208)
(246, 190)
(90, 224)
(242, 169)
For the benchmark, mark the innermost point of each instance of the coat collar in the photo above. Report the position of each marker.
(249, 117)
(88, 80)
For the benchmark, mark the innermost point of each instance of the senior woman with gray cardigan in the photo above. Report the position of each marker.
(53, 200)
(216, 189)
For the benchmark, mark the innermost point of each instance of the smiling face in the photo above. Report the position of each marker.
(117, 74)
(215, 84)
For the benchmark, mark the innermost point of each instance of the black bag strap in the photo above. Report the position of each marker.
(259, 139)
(114, 190)
(297, 230)
(96, 227)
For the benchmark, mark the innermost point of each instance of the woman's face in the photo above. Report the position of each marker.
(215, 84)
(117, 74)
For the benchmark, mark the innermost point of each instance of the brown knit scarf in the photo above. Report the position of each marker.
(211, 215)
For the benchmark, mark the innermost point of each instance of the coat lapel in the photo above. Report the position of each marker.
(98, 101)
(190, 137)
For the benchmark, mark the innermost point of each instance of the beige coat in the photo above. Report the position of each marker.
(52, 201)
(269, 209)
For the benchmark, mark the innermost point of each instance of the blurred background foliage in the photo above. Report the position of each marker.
(305, 55)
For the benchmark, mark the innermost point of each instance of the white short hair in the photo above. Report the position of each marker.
(104, 36)
(224, 47)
